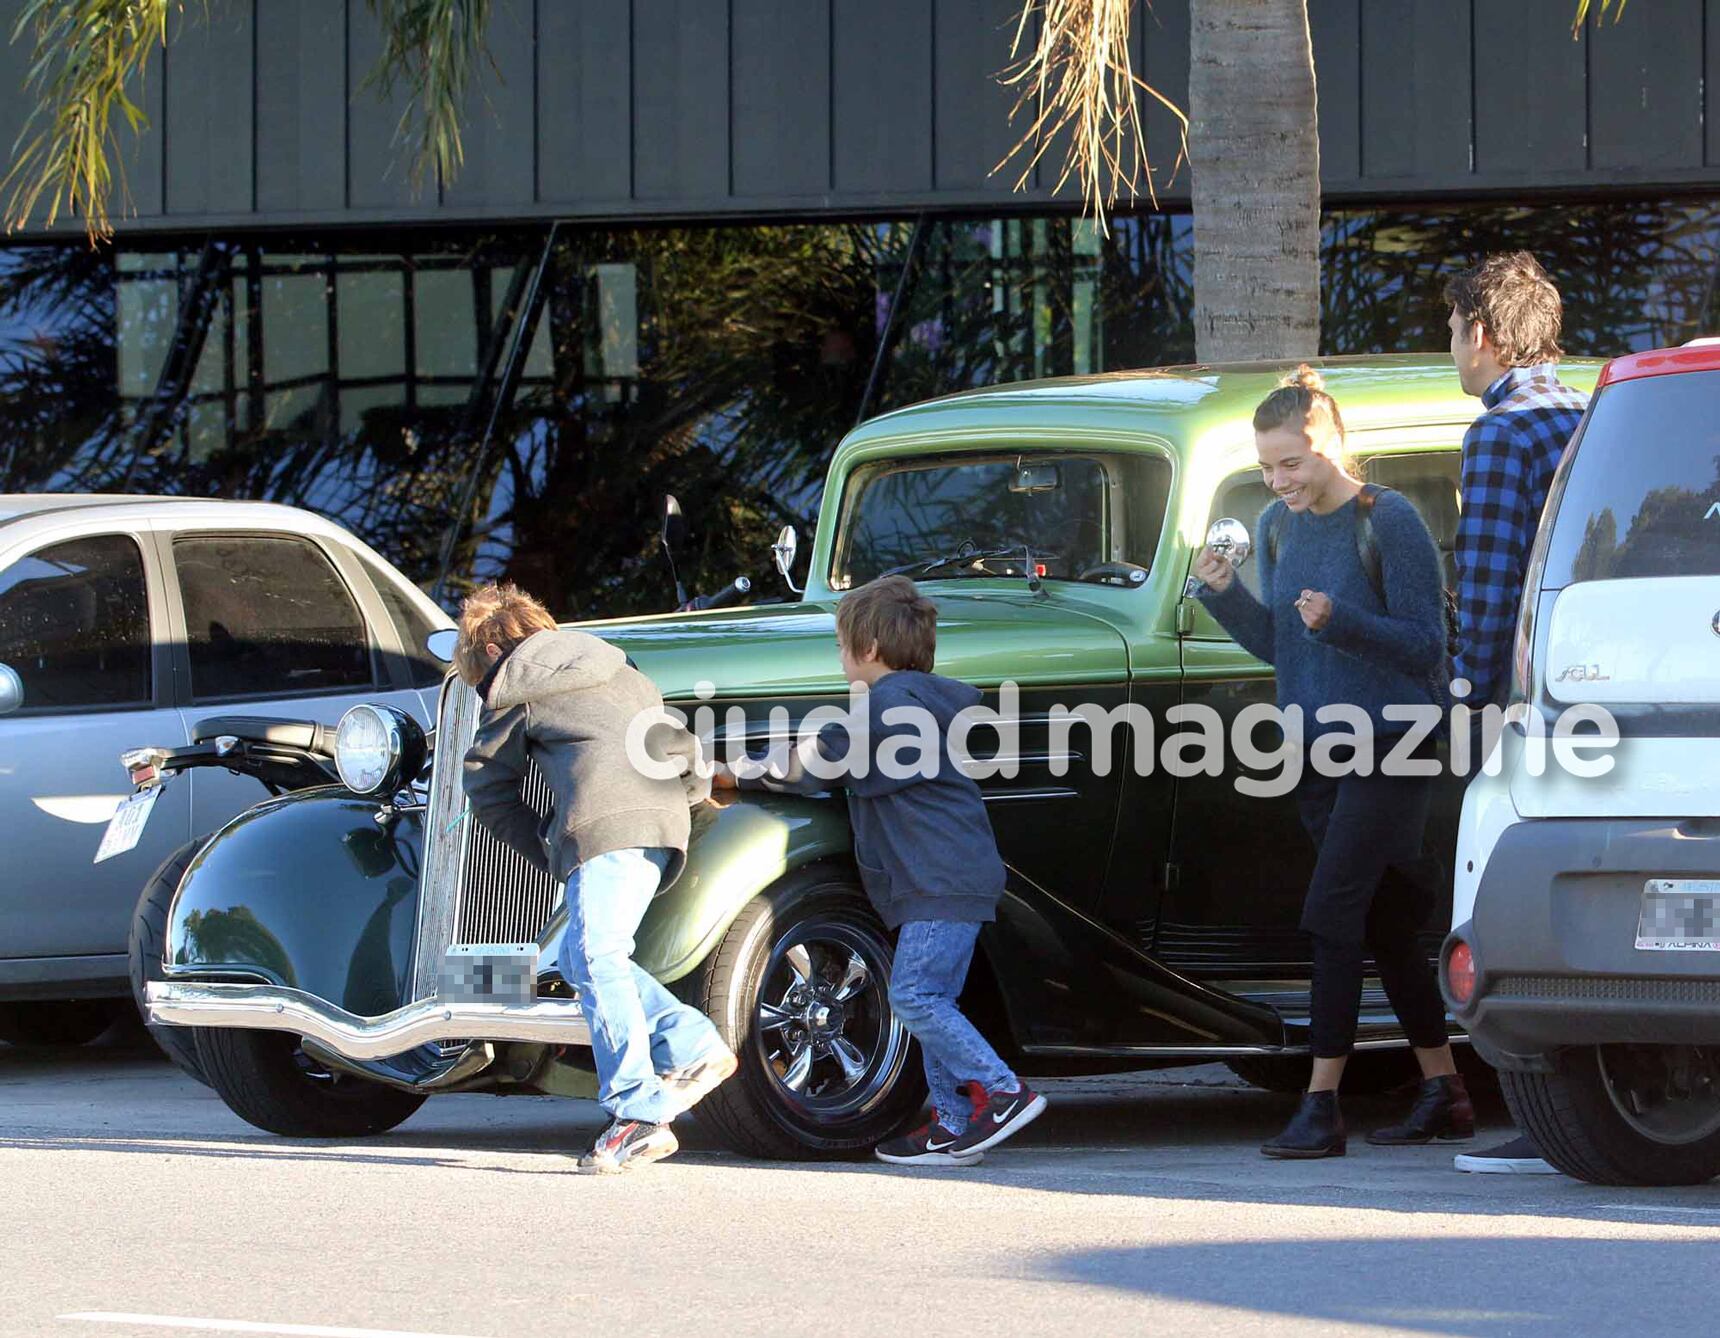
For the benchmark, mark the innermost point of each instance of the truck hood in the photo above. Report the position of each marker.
(786, 650)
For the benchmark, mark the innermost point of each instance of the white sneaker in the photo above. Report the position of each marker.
(692, 1083)
(1518, 1157)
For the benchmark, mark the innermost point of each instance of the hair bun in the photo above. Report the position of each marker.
(1304, 377)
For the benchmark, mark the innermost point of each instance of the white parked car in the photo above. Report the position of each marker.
(126, 622)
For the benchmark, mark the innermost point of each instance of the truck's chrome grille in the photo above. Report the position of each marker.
(474, 889)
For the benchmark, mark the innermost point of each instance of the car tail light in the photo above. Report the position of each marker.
(1460, 972)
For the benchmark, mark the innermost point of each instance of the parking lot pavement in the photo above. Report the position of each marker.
(138, 1206)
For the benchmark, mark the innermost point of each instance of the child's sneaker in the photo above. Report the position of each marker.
(997, 1115)
(929, 1145)
(628, 1143)
(692, 1083)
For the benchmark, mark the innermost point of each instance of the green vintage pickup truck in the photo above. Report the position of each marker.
(314, 945)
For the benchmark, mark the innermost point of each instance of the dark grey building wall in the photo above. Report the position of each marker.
(701, 108)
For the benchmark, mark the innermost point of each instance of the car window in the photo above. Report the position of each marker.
(267, 615)
(1074, 512)
(1243, 496)
(411, 624)
(74, 623)
(1640, 492)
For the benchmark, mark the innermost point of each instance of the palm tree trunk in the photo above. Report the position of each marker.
(1254, 151)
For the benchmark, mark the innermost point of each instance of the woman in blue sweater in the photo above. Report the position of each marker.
(1334, 640)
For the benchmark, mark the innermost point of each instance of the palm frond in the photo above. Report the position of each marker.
(1600, 9)
(86, 54)
(1078, 85)
(430, 47)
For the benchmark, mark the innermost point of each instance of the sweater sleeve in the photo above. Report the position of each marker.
(1248, 620)
(1410, 635)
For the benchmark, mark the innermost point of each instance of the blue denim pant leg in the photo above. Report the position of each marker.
(931, 966)
(638, 1029)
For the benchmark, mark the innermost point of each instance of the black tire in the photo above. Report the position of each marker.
(1369, 1072)
(266, 1080)
(57, 1022)
(755, 1112)
(144, 951)
(1578, 1117)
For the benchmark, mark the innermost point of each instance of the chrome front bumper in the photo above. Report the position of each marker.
(269, 1008)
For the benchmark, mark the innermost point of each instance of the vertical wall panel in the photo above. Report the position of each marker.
(301, 107)
(1711, 82)
(1416, 93)
(1335, 27)
(584, 98)
(781, 97)
(1531, 111)
(379, 172)
(1645, 89)
(882, 58)
(497, 128)
(680, 99)
(1162, 60)
(972, 132)
(208, 120)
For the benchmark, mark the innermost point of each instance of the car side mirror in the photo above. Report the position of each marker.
(11, 690)
(785, 548)
(674, 523)
(441, 643)
(1229, 539)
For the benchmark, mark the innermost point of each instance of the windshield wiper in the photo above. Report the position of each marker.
(923, 567)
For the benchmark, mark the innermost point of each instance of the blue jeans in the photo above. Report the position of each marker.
(638, 1029)
(932, 958)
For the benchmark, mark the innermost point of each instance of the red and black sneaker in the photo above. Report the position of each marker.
(929, 1145)
(627, 1143)
(997, 1115)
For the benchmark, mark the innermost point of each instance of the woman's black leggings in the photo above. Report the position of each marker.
(1368, 829)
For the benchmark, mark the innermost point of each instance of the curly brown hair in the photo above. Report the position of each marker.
(891, 614)
(498, 615)
(1510, 296)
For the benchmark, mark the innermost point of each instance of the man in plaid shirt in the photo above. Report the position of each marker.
(1505, 317)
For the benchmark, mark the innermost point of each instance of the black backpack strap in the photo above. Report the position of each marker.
(1367, 546)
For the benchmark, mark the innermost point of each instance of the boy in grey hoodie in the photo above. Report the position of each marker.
(565, 700)
(927, 858)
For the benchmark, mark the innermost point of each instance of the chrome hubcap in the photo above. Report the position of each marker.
(824, 1023)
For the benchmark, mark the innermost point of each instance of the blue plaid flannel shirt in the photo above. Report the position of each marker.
(1509, 454)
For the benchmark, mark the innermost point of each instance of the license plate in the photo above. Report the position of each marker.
(125, 828)
(1680, 915)
(504, 973)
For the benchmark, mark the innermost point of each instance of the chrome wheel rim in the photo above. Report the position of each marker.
(1670, 1094)
(825, 1033)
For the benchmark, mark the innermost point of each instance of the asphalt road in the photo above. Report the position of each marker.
(137, 1206)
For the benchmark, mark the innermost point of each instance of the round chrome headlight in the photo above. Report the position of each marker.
(376, 748)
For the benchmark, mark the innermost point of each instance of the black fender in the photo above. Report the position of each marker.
(307, 891)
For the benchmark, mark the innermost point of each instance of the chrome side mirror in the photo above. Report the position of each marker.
(11, 690)
(441, 643)
(783, 550)
(1229, 539)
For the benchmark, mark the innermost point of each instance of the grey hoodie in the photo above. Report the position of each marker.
(565, 700)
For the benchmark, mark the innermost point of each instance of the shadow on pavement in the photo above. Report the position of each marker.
(1542, 1284)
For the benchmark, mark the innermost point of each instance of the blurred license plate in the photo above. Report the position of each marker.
(125, 828)
(490, 972)
(1680, 915)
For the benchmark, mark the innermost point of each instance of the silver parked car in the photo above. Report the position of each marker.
(129, 621)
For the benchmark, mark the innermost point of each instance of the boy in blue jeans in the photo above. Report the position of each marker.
(927, 857)
(564, 699)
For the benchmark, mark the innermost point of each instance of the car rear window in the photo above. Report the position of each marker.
(1641, 492)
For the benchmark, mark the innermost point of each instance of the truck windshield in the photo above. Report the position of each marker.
(1091, 517)
(1641, 492)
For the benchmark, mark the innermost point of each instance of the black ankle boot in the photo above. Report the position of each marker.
(1315, 1130)
(1442, 1110)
